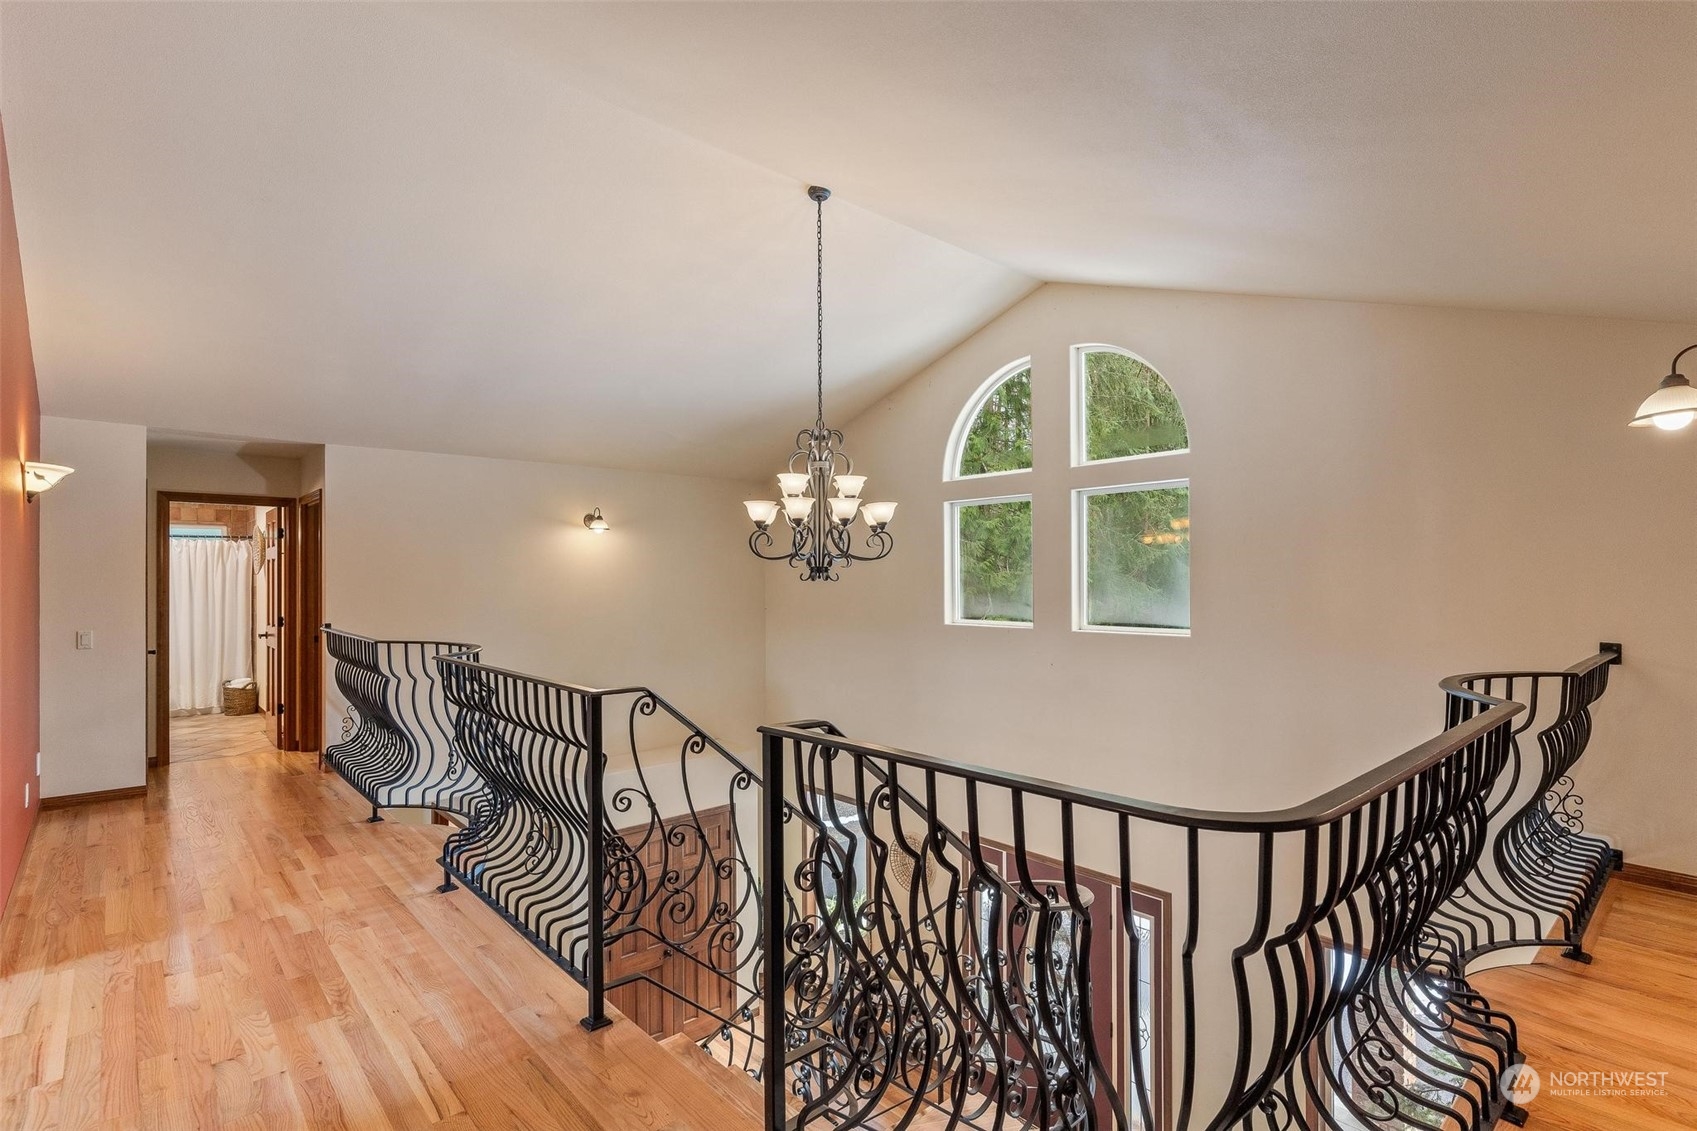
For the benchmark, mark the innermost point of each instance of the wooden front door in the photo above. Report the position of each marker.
(695, 989)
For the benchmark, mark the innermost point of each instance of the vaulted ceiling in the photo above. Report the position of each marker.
(577, 231)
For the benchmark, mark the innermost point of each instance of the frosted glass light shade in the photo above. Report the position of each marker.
(843, 510)
(798, 507)
(762, 511)
(878, 514)
(39, 477)
(1672, 406)
(848, 486)
(793, 483)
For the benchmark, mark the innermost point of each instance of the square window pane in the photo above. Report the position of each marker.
(993, 561)
(1137, 558)
(1129, 410)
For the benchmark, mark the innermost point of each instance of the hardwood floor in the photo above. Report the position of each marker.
(240, 950)
(194, 737)
(1634, 1009)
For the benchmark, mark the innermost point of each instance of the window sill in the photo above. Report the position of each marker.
(1112, 630)
(989, 624)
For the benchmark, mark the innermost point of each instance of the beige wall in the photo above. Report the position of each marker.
(172, 467)
(93, 531)
(495, 552)
(1382, 495)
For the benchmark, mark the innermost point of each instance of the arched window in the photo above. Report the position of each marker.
(1131, 539)
(993, 433)
(1123, 407)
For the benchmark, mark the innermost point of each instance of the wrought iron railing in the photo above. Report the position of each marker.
(396, 747)
(1544, 875)
(945, 969)
(965, 947)
(654, 824)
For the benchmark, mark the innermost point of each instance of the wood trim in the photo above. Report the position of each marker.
(306, 710)
(66, 800)
(1659, 878)
(162, 606)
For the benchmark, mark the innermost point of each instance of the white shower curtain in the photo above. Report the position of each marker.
(211, 621)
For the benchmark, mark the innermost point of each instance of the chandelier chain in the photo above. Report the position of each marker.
(819, 305)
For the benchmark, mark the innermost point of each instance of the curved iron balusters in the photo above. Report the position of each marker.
(931, 975)
(396, 746)
(613, 793)
(527, 849)
(1544, 875)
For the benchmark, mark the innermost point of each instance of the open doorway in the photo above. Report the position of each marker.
(232, 645)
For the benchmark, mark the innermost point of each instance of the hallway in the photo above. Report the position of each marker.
(194, 737)
(239, 949)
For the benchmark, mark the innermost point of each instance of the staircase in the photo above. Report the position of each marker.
(735, 1086)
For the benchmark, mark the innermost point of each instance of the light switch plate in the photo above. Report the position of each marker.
(85, 638)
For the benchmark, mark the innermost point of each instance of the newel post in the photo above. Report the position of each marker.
(773, 1074)
(595, 962)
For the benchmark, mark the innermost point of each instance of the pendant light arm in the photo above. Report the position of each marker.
(1674, 368)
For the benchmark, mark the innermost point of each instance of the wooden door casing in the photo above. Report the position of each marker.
(271, 636)
(307, 714)
(284, 685)
(659, 1013)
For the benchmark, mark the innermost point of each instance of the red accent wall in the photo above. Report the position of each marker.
(20, 554)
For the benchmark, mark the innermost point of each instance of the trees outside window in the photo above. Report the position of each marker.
(1000, 436)
(1134, 559)
(991, 571)
(1125, 408)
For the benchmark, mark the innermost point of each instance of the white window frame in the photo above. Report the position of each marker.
(951, 562)
(1080, 406)
(1081, 557)
(969, 416)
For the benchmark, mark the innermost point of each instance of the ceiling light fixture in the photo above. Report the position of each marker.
(820, 541)
(39, 477)
(1674, 403)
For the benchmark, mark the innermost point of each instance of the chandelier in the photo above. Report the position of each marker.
(816, 533)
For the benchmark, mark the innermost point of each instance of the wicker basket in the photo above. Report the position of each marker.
(240, 700)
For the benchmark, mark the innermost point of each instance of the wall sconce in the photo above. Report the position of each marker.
(596, 524)
(1674, 403)
(39, 477)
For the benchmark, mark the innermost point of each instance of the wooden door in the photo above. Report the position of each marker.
(659, 1012)
(307, 710)
(1108, 972)
(270, 638)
